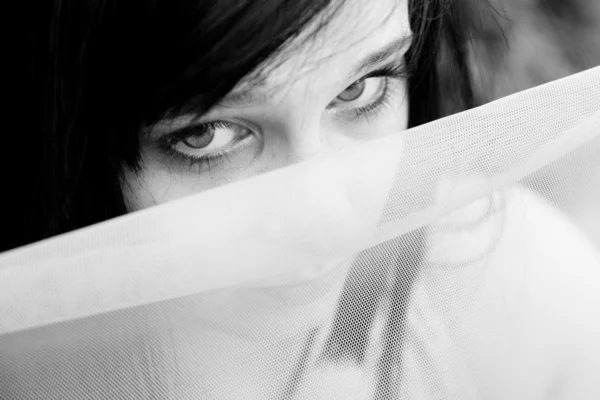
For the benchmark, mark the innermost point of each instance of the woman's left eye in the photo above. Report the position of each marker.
(362, 96)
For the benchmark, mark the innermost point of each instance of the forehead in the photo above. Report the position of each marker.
(334, 40)
(349, 24)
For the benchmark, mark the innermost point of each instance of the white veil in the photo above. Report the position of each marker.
(441, 262)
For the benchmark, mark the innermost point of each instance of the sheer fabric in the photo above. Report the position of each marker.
(443, 262)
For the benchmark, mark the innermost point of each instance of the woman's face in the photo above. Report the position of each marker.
(344, 85)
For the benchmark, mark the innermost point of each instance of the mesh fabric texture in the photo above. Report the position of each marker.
(443, 262)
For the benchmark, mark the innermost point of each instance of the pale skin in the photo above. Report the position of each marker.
(300, 112)
(311, 103)
(306, 108)
(530, 319)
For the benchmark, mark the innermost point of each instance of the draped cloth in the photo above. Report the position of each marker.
(456, 260)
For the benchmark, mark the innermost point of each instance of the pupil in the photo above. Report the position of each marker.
(353, 91)
(199, 138)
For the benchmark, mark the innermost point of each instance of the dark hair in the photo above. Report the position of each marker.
(96, 71)
(440, 85)
(99, 70)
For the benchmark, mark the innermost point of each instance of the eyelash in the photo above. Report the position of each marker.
(392, 71)
(167, 143)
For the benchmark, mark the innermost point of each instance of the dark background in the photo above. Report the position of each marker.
(526, 43)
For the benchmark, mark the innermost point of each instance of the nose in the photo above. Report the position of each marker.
(307, 142)
(338, 196)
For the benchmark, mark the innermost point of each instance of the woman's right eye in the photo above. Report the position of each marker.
(208, 138)
(210, 142)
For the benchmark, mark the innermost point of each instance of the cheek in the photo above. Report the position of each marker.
(159, 183)
(392, 119)
(395, 117)
(156, 185)
(136, 194)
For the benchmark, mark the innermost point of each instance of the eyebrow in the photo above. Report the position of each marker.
(392, 49)
(254, 96)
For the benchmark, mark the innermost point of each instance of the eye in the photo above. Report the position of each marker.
(221, 144)
(362, 93)
(352, 92)
(212, 138)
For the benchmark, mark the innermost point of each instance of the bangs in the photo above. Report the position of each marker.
(184, 56)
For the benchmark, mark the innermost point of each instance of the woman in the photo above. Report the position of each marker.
(115, 87)
(145, 102)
